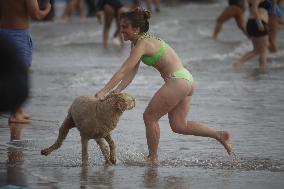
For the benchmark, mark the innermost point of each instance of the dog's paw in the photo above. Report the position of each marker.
(113, 160)
(108, 162)
(44, 152)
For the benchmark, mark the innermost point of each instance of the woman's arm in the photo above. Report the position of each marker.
(254, 8)
(255, 14)
(126, 80)
(34, 10)
(127, 68)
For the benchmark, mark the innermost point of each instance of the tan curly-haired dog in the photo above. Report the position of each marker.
(95, 119)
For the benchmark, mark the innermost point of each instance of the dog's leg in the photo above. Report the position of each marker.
(85, 156)
(104, 149)
(63, 131)
(112, 148)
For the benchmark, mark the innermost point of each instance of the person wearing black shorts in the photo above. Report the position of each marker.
(111, 9)
(257, 30)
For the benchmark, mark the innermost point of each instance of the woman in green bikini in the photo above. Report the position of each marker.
(173, 98)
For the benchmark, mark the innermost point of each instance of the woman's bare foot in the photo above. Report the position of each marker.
(225, 140)
(25, 115)
(18, 119)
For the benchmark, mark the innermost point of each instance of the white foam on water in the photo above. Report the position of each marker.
(43, 177)
(81, 37)
(236, 52)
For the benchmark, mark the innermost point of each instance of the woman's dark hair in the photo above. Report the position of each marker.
(138, 18)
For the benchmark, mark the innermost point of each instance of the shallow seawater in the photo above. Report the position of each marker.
(69, 61)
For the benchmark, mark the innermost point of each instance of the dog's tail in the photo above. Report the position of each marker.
(67, 124)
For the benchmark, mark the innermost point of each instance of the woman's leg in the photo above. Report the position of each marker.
(273, 24)
(149, 5)
(262, 46)
(240, 20)
(108, 16)
(71, 8)
(249, 55)
(117, 33)
(19, 117)
(164, 100)
(66, 13)
(228, 13)
(157, 3)
(179, 124)
(81, 5)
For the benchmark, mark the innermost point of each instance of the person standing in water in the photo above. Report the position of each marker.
(14, 26)
(111, 9)
(257, 29)
(174, 96)
(236, 10)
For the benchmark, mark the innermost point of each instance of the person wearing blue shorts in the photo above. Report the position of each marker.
(14, 26)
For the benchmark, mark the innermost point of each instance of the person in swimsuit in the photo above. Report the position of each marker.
(257, 30)
(174, 96)
(110, 9)
(14, 26)
(235, 9)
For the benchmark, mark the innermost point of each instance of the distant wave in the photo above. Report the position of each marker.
(236, 52)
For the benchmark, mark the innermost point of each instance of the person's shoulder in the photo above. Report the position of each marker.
(140, 44)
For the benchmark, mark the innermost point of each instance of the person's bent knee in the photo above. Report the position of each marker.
(148, 118)
(177, 129)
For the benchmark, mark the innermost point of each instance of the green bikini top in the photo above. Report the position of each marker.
(152, 60)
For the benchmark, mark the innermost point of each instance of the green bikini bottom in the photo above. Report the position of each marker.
(183, 74)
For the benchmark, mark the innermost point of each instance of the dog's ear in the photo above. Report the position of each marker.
(121, 105)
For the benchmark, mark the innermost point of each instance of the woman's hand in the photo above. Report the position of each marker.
(259, 25)
(100, 95)
(115, 91)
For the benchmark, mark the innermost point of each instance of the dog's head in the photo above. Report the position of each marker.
(122, 101)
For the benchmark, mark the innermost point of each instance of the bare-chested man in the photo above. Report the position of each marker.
(14, 26)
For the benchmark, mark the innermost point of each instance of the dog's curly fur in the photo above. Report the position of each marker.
(95, 119)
